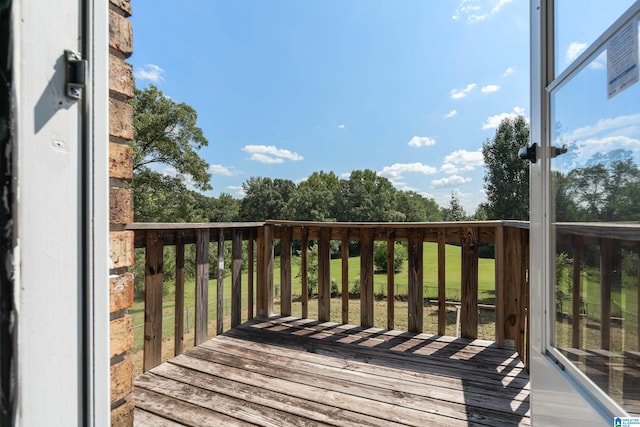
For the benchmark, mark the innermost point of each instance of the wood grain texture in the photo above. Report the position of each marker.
(153, 281)
(236, 278)
(442, 284)
(287, 371)
(285, 271)
(344, 248)
(578, 251)
(250, 275)
(304, 272)
(202, 286)
(416, 285)
(324, 275)
(220, 286)
(366, 278)
(178, 330)
(390, 279)
(469, 287)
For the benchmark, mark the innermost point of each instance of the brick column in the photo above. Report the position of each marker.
(121, 211)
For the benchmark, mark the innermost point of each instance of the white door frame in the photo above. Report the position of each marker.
(61, 224)
(561, 394)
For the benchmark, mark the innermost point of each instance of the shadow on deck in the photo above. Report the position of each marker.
(289, 371)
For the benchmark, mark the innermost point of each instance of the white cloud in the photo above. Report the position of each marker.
(421, 141)
(622, 132)
(341, 126)
(237, 189)
(150, 72)
(462, 160)
(574, 50)
(490, 88)
(450, 181)
(223, 170)
(494, 121)
(478, 10)
(395, 171)
(461, 93)
(509, 71)
(270, 154)
(451, 114)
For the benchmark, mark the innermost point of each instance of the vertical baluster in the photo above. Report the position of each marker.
(265, 271)
(442, 297)
(345, 275)
(220, 285)
(324, 277)
(606, 265)
(469, 294)
(391, 237)
(179, 298)
(366, 277)
(285, 271)
(202, 286)
(236, 278)
(304, 272)
(576, 306)
(250, 261)
(416, 283)
(153, 278)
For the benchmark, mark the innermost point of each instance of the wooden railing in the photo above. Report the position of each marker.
(510, 240)
(610, 239)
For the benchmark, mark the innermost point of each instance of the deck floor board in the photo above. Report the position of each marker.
(288, 371)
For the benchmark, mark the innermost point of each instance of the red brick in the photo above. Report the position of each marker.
(120, 205)
(120, 34)
(122, 416)
(120, 292)
(120, 161)
(121, 379)
(121, 248)
(121, 331)
(120, 119)
(120, 76)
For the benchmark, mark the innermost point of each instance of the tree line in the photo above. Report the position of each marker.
(170, 179)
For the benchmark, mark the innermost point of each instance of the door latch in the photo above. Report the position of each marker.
(76, 78)
(528, 153)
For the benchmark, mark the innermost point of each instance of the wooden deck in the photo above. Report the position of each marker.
(289, 371)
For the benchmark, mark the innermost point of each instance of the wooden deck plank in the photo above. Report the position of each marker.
(289, 371)
(144, 418)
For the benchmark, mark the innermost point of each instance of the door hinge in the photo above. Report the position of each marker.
(76, 74)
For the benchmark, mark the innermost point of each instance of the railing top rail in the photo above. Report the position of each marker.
(401, 225)
(190, 225)
(613, 230)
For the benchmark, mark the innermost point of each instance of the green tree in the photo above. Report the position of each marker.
(400, 255)
(507, 177)
(455, 211)
(314, 199)
(366, 196)
(166, 165)
(265, 198)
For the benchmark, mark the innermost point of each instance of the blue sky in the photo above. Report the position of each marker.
(283, 88)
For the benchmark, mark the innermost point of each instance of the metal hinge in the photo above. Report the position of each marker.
(76, 74)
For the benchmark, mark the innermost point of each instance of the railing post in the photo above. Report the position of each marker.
(202, 286)
(469, 292)
(153, 279)
(324, 288)
(416, 283)
(236, 278)
(502, 280)
(366, 277)
(220, 285)
(442, 297)
(578, 250)
(179, 297)
(391, 240)
(250, 261)
(345, 275)
(265, 271)
(304, 271)
(285, 271)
